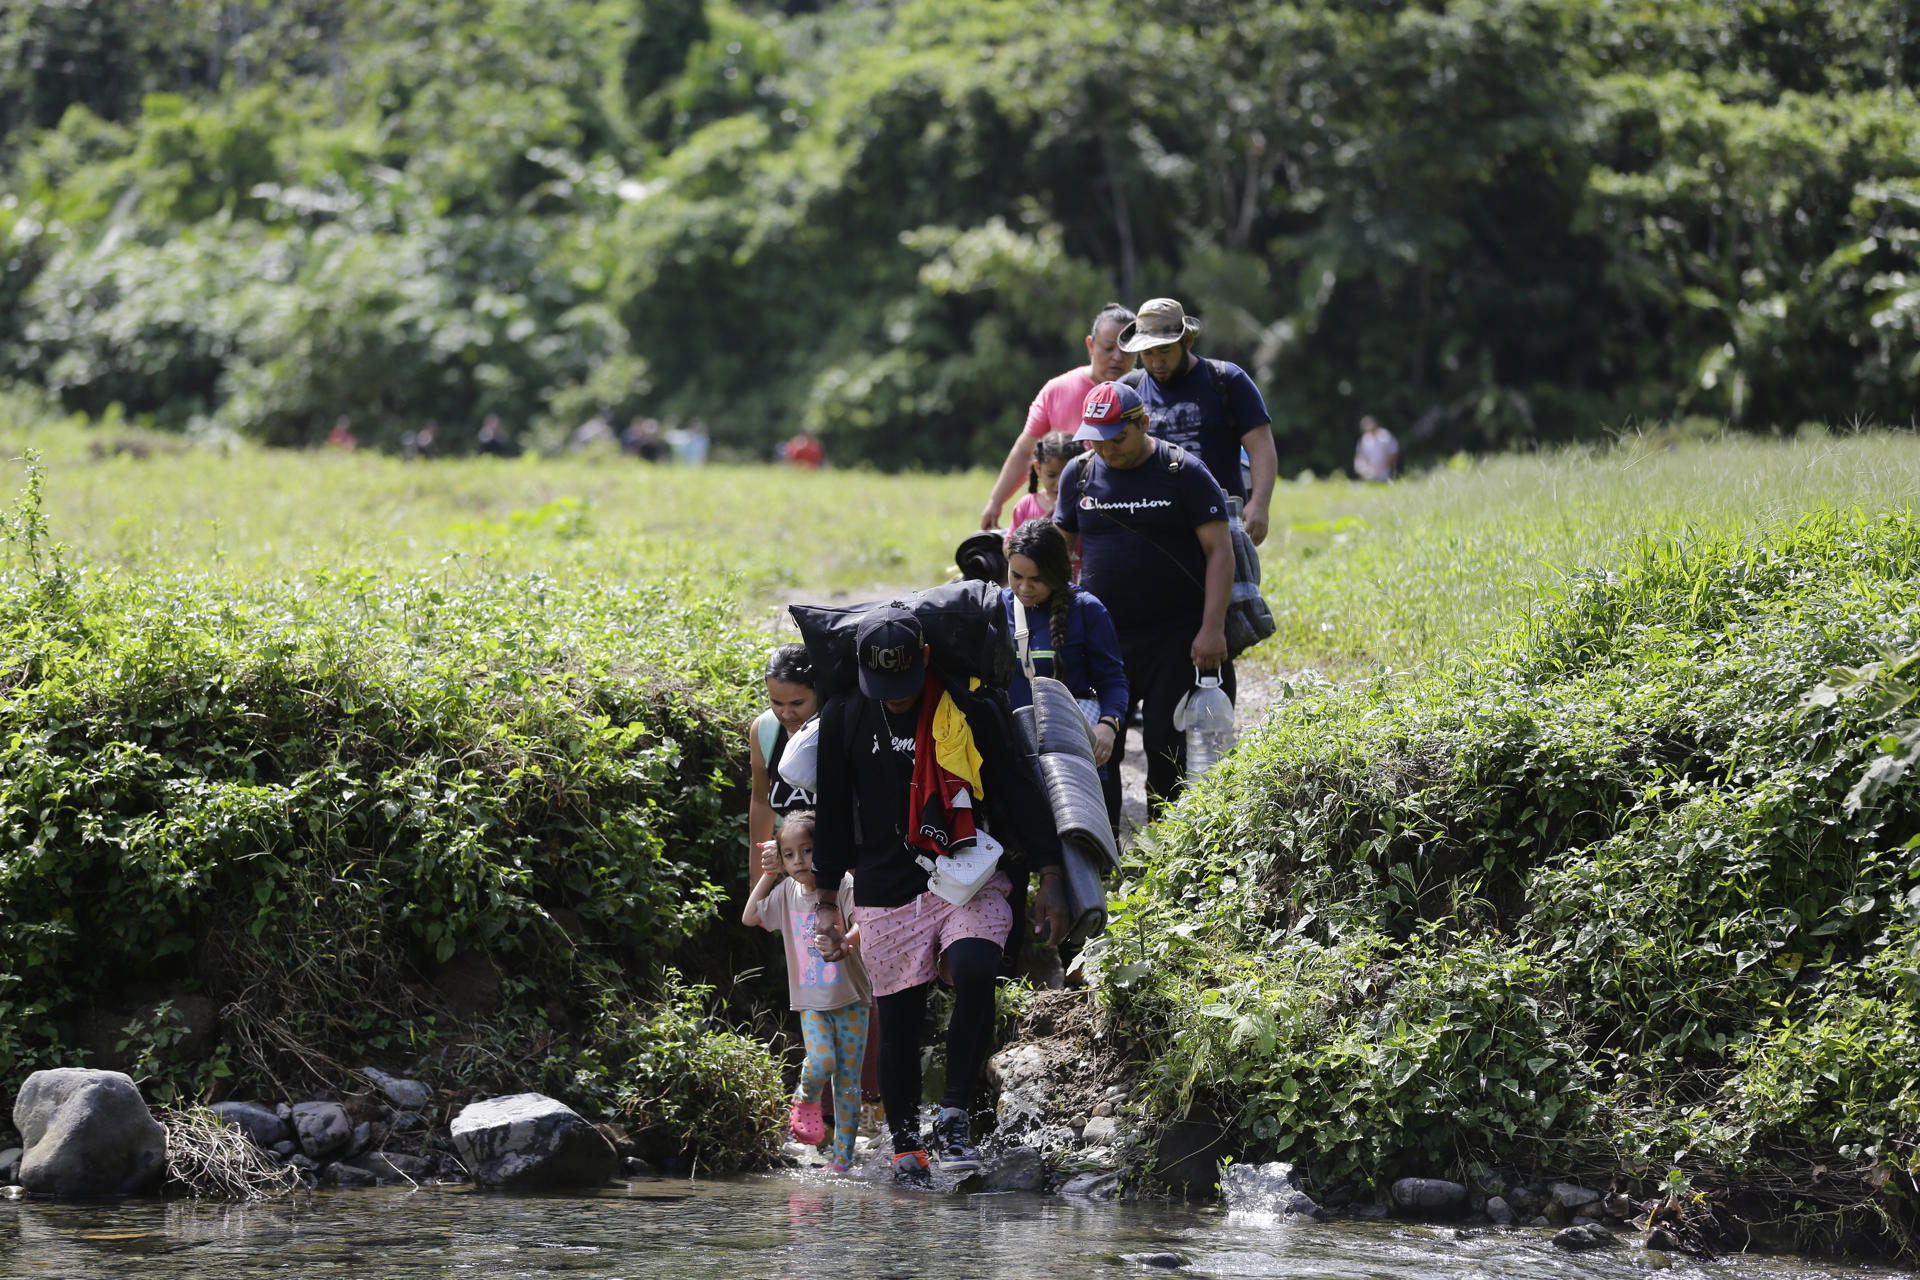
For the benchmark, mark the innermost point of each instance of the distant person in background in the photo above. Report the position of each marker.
(417, 446)
(342, 437)
(642, 440)
(1210, 408)
(594, 431)
(492, 440)
(1376, 459)
(805, 451)
(1057, 406)
(690, 443)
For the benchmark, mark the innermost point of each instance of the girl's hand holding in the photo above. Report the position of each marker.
(770, 857)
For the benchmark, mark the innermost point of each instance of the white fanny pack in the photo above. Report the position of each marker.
(957, 876)
(800, 762)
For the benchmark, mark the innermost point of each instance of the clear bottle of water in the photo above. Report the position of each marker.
(1209, 724)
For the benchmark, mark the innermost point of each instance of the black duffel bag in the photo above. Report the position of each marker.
(963, 623)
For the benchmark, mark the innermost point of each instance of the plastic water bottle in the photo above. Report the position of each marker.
(1209, 724)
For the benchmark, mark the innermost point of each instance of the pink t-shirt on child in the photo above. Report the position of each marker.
(1060, 403)
(1028, 508)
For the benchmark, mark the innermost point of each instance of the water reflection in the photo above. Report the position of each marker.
(776, 1226)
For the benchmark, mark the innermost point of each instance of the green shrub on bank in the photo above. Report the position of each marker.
(316, 800)
(1608, 898)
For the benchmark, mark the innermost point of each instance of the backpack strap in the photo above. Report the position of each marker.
(1020, 644)
(766, 728)
(1132, 378)
(1218, 373)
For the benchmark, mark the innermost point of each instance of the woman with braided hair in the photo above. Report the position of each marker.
(1069, 636)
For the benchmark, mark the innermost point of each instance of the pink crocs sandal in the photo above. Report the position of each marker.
(805, 1124)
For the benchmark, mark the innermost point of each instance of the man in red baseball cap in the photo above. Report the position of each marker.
(1154, 547)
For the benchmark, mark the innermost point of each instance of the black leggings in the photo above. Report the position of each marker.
(973, 963)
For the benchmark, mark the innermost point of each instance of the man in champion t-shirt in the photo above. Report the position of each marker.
(1154, 547)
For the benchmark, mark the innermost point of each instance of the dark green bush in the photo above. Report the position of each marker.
(1616, 895)
(305, 800)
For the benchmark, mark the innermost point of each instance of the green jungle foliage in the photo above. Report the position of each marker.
(329, 802)
(1492, 222)
(1636, 890)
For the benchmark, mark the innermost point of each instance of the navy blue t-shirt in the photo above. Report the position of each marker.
(1138, 550)
(1189, 412)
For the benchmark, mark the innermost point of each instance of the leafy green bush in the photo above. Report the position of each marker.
(687, 1087)
(307, 797)
(1609, 896)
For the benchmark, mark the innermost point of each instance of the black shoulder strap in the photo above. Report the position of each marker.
(1219, 376)
(1133, 379)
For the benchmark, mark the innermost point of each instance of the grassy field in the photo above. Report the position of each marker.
(1360, 577)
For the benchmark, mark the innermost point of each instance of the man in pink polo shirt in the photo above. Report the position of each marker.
(1057, 407)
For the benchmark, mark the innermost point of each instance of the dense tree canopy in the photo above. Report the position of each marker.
(1490, 222)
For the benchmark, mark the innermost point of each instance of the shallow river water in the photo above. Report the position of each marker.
(774, 1225)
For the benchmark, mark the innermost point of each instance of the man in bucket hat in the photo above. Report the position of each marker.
(1208, 407)
(1155, 549)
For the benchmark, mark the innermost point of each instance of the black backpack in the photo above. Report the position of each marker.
(963, 622)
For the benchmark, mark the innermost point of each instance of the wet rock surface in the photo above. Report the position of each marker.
(261, 1123)
(527, 1141)
(322, 1129)
(87, 1133)
(1272, 1189)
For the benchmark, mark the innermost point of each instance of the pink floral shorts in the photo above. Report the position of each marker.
(901, 945)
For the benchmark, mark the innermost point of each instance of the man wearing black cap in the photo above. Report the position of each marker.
(1207, 407)
(1155, 548)
(870, 744)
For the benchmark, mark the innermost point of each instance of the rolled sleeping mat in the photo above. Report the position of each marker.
(1058, 723)
(1023, 717)
(1079, 806)
(1086, 893)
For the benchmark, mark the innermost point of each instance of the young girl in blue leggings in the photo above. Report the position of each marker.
(831, 997)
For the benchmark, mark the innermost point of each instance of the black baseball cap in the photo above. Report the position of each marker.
(893, 654)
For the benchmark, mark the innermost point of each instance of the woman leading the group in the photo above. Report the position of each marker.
(1069, 637)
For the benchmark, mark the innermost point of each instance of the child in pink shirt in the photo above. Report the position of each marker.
(1050, 457)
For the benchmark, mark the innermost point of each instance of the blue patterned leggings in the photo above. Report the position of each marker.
(836, 1044)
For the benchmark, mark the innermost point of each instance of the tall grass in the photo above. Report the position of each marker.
(1360, 576)
(1435, 567)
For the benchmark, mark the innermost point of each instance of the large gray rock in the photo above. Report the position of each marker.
(1429, 1195)
(1267, 1189)
(1571, 1195)
(87, 1133)
(257, 1120)
(527, 1140)
(322, 1129)
(404, 1095)
(1588, 1235)
(1015, 1169)
(1092, 1186)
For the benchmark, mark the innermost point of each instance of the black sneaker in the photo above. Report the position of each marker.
(910, 1170)
(951, 1145)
